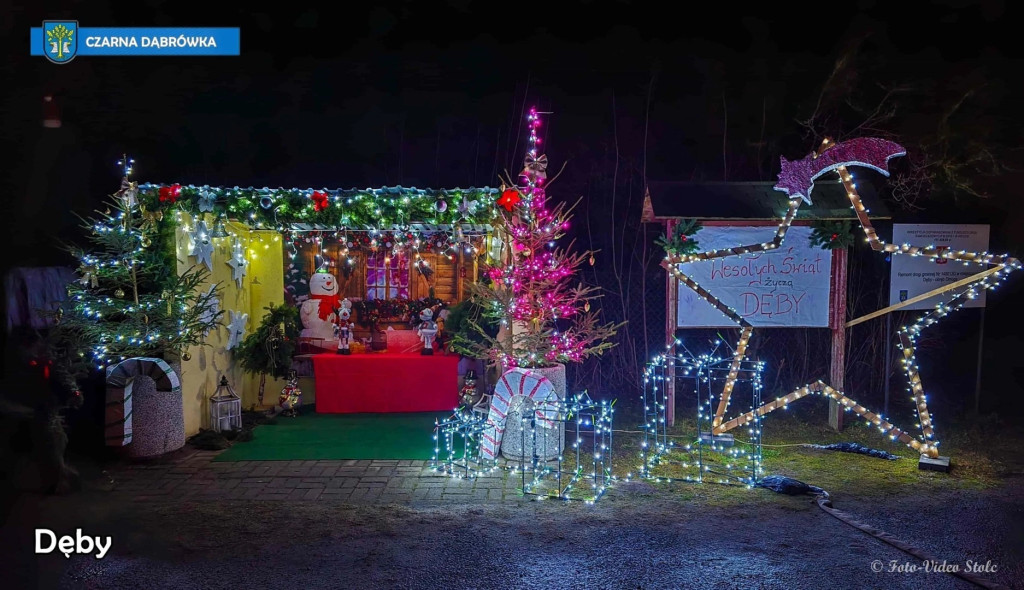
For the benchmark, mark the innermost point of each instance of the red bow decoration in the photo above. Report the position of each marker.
(320, 200)
(509, 198)
(170, 194)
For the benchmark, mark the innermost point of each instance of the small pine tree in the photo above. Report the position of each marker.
(530, 292)
(129, 300)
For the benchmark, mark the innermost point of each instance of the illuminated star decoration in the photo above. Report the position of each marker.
(509, 199)
(797, 177)
(796, 180)
(236, 328)
(206, 199)
(211, 310)
(202, 249)
(238, 263)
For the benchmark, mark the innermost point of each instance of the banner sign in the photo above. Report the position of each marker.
(913, 275)
(62, 41)
(787, 287)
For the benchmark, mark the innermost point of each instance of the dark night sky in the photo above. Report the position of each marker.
(431, 95)
(424, 94)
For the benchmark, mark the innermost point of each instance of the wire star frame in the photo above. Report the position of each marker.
(797, 180)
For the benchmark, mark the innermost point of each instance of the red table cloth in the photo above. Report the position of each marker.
(351, 384)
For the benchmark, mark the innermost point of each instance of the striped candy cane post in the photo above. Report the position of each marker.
(518, 383)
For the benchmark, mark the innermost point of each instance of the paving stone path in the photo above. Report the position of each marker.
(198, 477)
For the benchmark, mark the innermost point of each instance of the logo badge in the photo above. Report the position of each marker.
(60, 40)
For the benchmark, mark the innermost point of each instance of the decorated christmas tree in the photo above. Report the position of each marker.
(129, 300)
(546, 319)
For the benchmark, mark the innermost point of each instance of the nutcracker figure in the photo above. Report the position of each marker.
(427, 330)
(343, 326)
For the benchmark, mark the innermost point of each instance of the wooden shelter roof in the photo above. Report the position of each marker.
(753, 201)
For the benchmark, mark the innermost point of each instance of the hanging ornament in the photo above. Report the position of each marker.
(202, 249)
(441, 205)
(186, 356)
(592, 260)
(119, 293)
(129, 193)
(535, 167)
(59, 315)
(509, 198)
(266, 202)
(586, 306)
(462, 272)
(236, 328)
(206, 199)
(150, 219)
(238, 263)
(467, 208)
(89, 277)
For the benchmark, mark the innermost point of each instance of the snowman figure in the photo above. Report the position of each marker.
(318, 313)
(427, 330)
(343, 327)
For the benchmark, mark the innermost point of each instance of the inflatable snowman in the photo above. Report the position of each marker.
(319, 312)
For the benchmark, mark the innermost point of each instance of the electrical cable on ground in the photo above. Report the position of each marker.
(790, 486)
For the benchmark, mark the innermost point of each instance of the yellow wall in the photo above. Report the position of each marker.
(262, 285)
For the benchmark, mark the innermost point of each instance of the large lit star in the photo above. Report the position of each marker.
(796, 180)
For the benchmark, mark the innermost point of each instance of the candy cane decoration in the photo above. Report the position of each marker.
(518, 383)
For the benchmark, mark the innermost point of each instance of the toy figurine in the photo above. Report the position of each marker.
(468, 394)
(427, 330)
(343, 327)
(290, 399)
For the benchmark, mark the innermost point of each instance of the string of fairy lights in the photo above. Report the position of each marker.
(707, 458)
(580, 471)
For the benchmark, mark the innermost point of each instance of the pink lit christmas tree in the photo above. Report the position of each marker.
(544, 319)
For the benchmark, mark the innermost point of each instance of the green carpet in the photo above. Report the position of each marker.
(312, 436)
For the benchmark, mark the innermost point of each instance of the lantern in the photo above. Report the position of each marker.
(225, 408)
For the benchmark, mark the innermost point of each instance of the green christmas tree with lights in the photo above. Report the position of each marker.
(129, 300)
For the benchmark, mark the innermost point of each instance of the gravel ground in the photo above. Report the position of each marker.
(639, 536)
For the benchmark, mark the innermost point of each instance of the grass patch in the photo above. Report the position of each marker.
(983, 453)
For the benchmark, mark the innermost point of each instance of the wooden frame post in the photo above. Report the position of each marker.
(837, 323)
(671, 323)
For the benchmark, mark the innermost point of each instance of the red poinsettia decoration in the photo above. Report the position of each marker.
(170, 194)
(509, 198)
(320, 200)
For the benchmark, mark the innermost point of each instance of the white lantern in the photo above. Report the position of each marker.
(225, 408)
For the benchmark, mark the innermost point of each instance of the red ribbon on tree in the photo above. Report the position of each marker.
(170, 194)
(320, 200)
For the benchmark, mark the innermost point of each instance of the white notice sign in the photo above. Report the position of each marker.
(913, 275)
(788, 287)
